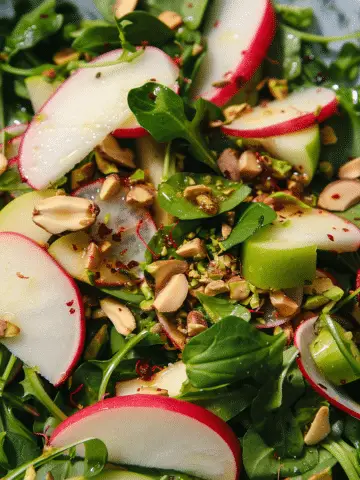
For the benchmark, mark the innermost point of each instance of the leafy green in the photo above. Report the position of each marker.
(122, 294)
(143, 28)
(93, 38)
(352, 214)
(171, 199)
(256, 216)
(262, 463)
(193, 13)
(345, 455)
(10, 181)
(326, 462)
(162, 113)
(298, 17)
(219, 308)
(35, 26)
(106, 9)
(231, 350)
(286, 49)
(346, 65)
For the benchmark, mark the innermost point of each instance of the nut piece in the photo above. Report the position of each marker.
(239, 288)
(123, 7)
(235, 111)
(112, 151)
(193, 248)
(320, 427)
(3, 163)
(215, 288)
(142, 195)
(197, 49)
(172, 19)
(105, 246)
(160, 392)
(30, 473)
(82, 175)
(350, 170)
(119, 315)
(340, 195)
(323, 475)
(285, 306)
(225, 230)
(62, 213)
(278, 88)
(318, 286)
(163, 270)
(65, 56)
(110, 187)
(228, 162)
(249, 166)
(207, 204)
(328, 135)
(190, 193)
(173, 295)
(196, 323)
(8, 329)
(93, 256)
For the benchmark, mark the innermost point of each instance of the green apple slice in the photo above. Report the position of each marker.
(16, 216)
(40, 90)
(301, 149)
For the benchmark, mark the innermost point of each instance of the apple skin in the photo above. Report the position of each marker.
(278, 267)
(192, 412)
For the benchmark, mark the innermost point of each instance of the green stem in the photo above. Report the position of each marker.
(125, 57)
(169, 164)
(201, 151)
(33, 378)
(25, 72)
(346, 300)
(116, 359)
(342, 457)
(5, 376)
(351, 454)
(312, 37)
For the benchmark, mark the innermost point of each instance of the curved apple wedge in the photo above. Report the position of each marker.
(304, 336)
(84, 110)
(296, 112)
(175, 435)
(238, 34)
(44, 303)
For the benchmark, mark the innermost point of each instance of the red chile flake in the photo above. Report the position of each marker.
(72, 311)
(20, 275)
(336, 196)
(144, 370)
(330, 237)
(70, 304)
(44, 15)
(74, 247)
(152, 96)
(346, 230)
(216, 24)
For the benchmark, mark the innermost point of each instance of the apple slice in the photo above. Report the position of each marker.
(238, 34)
(51, 322)
(85, 109)
(170, 378)
(297, 111)
(304, 336)
(175, 435)
(40, 90)
(128, 228)
(16, 216)
(301, 149)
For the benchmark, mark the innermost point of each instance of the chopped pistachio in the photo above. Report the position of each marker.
(317, 301)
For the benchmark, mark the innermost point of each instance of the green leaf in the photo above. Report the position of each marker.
(193, 13)
(93, 39)
(124, 295)
(282, 432)
(35, 26)
(352, 431)
(352, 214)
(158, 6)
(106, 9)
(229, 351)
(171, 199)
(10, 181)
(325, 463)
(142, 27)
(261, 463)
(286, 49)
(256, 216)
(306, 408)
(162, 113)
(298, 17)
(219, 308)
(347, 64)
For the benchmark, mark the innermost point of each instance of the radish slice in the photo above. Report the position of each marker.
(175, 435)
(85, 108)
(238, 33)
(296, 112)
(133, 224)
(130, 129)
(170, 378)
(51, 322)
(304, 336)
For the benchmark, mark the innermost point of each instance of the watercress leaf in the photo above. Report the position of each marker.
(35, 26)
(61, 469)
(142, 27)
(162, 113)
(124, 295)
(219, 308)
(346, 65)
(298, 17)
(261, 463)
(325, 463)
(256, 216)
(282, 432)
(11, 181)
(306, 408)
(171, 199)
(352, 214)
(286, 49)
(352, 431)
(93, 39)
(193, 13)
(229, 351)
(4, 462)
(106, 9)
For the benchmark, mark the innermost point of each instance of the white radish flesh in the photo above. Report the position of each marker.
(44, 302)
(297, 111)
(87, 107)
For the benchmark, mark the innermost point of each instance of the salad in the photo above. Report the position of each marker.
(179, 236)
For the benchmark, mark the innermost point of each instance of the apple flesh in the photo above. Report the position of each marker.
(170, 378)
(40, 90)
(304, 337)
(175, 435)
(301, 149)
(51, 320)
(16, 216)
(238, 33)
(83, 111)
(296, 112)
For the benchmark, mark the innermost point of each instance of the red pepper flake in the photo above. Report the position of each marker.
(103, 230)
(178, 60)
(330, 237)
(217, 23)
(144, 370)
(51, 73)
(357, 284)
(20, 275)
(74, 247)
(70, 304)
(72, 311)
(144, 43)
(346, 230)
(123, 251)
(44, 15)
(190, 5)
(335, 196)
(343, 382)
(72, 394)
(243, 52)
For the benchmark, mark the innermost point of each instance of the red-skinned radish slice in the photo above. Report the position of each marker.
(84, 110)
(238, 34)
(130, 129)
(304, 336)
(43, 301)
(296, 112)
(175, 435)
(131, 227)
